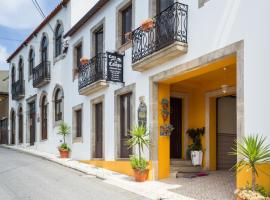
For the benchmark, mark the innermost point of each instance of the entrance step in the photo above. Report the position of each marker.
(183, 168)
(186, 169)
(177, 162)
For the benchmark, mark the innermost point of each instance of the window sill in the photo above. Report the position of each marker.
(125, 46)
(60, 57)
(57, 123)
(77, 140)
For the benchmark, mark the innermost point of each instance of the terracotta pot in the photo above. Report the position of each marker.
(141, 176)
(147, 25)
(64, 153)
(84, 60)
(238, 198)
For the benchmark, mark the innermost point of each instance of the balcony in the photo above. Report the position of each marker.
(102, 69)
(17, 90)
(41, 74)
(167, 39)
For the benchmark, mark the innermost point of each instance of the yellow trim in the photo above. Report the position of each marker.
(163, 141)
(122, 167)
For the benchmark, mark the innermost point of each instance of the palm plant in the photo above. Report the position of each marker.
(63, 130)
(139, 137)
(252, 151)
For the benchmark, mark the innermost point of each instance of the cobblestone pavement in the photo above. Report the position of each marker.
(219, 185)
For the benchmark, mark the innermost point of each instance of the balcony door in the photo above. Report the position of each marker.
(44, 49)
(163, 4)
(21, 70)
(164, 24)
(99, 36)
(98, 130)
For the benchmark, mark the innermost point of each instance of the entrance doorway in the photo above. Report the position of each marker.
(32, 122)
(13, 128)
(176, 121)
(226, 131)
(98, 130)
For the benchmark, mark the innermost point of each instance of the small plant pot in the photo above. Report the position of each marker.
(64, 153)
(196, 157)
(147, 25)
(84, 61)
(141, 176)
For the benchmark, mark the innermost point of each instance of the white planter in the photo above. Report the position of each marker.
(196, 157)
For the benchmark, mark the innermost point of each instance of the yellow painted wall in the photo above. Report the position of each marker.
(213, 134)
(163, 141)
(263, 178)
(122, 167)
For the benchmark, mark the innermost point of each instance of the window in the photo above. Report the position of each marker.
(126, 23)
(44, 49)
(31, 61)
(99, 41)
(78, 54)
(58, 40)
(125, 124)
(78, 116)
(44, 120)
(58, 105)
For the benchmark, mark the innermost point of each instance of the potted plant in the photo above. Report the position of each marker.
(147, 25)
(84, 60)
(64, 149)
(251, 152)
(195, 148)
(139, 139)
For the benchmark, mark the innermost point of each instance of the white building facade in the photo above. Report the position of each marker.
(195, 51)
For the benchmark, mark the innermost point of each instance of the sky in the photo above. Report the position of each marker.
(18, 18)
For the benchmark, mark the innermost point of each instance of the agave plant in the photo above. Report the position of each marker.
(251, 151)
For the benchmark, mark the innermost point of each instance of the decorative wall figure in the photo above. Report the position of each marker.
(142, 112)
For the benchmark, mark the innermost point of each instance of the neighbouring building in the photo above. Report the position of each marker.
(207, 58)
(4, 106)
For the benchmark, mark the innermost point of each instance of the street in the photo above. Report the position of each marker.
(26, 177)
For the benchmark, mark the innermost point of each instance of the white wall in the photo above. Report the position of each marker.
(215, 25)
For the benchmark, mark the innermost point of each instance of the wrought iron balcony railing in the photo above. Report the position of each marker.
(18, 90)
(41, 74)
(168, 27)
(105, 66)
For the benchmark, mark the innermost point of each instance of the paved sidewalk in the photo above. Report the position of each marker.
(155, 190)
